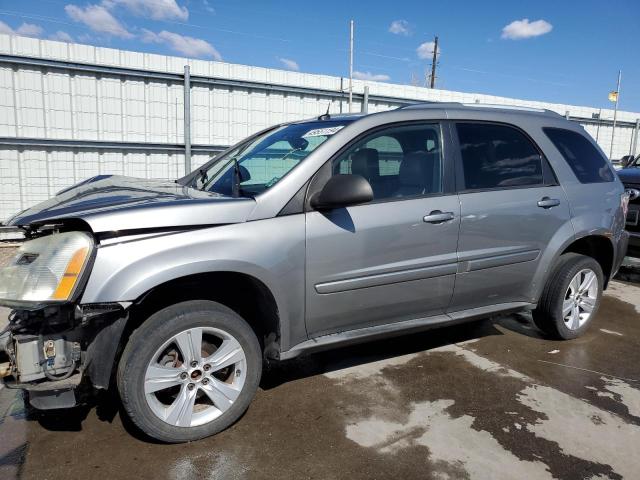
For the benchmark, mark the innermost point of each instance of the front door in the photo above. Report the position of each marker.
(394, 258)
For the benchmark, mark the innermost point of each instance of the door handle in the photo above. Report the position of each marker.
(438, 217)
(546, 202)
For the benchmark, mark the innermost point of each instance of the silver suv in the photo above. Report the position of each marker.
(306, 236)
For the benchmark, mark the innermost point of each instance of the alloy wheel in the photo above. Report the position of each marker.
(195, 376)
(580, 299)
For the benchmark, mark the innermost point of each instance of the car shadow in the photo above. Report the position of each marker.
(107, 405)
(522, 323)
(278, 373)
(629, 271)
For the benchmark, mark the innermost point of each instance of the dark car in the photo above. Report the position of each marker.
(630, 176)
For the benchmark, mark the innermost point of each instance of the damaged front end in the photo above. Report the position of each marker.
(59, 354)
(53, 347)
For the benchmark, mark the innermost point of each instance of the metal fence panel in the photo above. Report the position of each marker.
(71, 111)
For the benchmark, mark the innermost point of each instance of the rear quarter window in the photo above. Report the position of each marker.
(587, 163)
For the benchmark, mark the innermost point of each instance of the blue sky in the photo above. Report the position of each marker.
(559, 51)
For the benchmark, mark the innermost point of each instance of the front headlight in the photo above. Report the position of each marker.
(47, 269)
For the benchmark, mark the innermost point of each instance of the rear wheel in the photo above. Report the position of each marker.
(571, 298)
(189, 371)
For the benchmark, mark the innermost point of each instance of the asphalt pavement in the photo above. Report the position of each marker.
(487, 400)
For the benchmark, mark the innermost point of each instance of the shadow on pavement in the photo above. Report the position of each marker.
(107, 404)
(629, 271)
(277, 373)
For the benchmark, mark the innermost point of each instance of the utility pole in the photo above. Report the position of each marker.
(350, 65)
(615, 113)
(432, 83)
(187, 120)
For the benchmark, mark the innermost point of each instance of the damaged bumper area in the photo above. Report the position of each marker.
(60, 354)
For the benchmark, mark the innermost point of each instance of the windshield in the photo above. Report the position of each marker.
(259, 164)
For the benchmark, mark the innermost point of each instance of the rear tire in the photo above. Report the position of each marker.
(172, 384)
(571, 297)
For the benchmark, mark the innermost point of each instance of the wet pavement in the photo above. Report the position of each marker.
(491, 399)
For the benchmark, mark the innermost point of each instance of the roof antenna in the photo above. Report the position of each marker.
(326, 115)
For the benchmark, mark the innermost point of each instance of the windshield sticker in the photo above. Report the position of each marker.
(323, 132)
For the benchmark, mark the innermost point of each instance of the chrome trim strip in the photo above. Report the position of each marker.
(386, 278)
(497, 261)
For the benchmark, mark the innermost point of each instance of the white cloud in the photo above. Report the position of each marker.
(400, 27)
(519, 29)
(188, 46)
(425, 50)
(61, 36)
(380, 77)
(290, 64)
(98, 19)
(208, 7)
(4, 28)
(26, 30)
(154, 9)
(29, 30)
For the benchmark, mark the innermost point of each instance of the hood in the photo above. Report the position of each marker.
(629, 175)
(112, 202)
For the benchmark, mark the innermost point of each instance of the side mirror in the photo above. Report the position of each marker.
(633, 194)
(343, 191)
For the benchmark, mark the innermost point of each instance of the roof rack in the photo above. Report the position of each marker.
(418, 104)
(475, 105)
(505, 107)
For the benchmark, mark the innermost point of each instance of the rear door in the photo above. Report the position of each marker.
(512, 207)
(394, 258)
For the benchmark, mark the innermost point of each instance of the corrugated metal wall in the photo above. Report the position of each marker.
(70, 111)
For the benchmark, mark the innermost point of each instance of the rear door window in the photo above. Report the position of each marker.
(497, 157)
(587, 163)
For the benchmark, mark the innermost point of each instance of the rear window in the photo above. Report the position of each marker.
(587, 163)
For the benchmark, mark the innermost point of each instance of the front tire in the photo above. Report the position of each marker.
(571, 297)
(189, 371)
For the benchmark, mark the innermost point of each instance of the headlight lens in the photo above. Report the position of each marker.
(47, 269)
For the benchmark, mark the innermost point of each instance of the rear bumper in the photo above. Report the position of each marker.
(620, 252)
(633, 249)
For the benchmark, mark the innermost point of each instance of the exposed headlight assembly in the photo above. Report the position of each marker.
(47, 269)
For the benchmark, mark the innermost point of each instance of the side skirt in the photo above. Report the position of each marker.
(388, 330)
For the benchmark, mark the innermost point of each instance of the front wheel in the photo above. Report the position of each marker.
(571, 297)
(189, 371)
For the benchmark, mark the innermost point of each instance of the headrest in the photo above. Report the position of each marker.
(365, 162)
(412, 168)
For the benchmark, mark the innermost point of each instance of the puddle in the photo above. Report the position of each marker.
(535, 432)
(626, 292)
(210, 466)
(584, 431)
(624, 393)
(450, 440)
